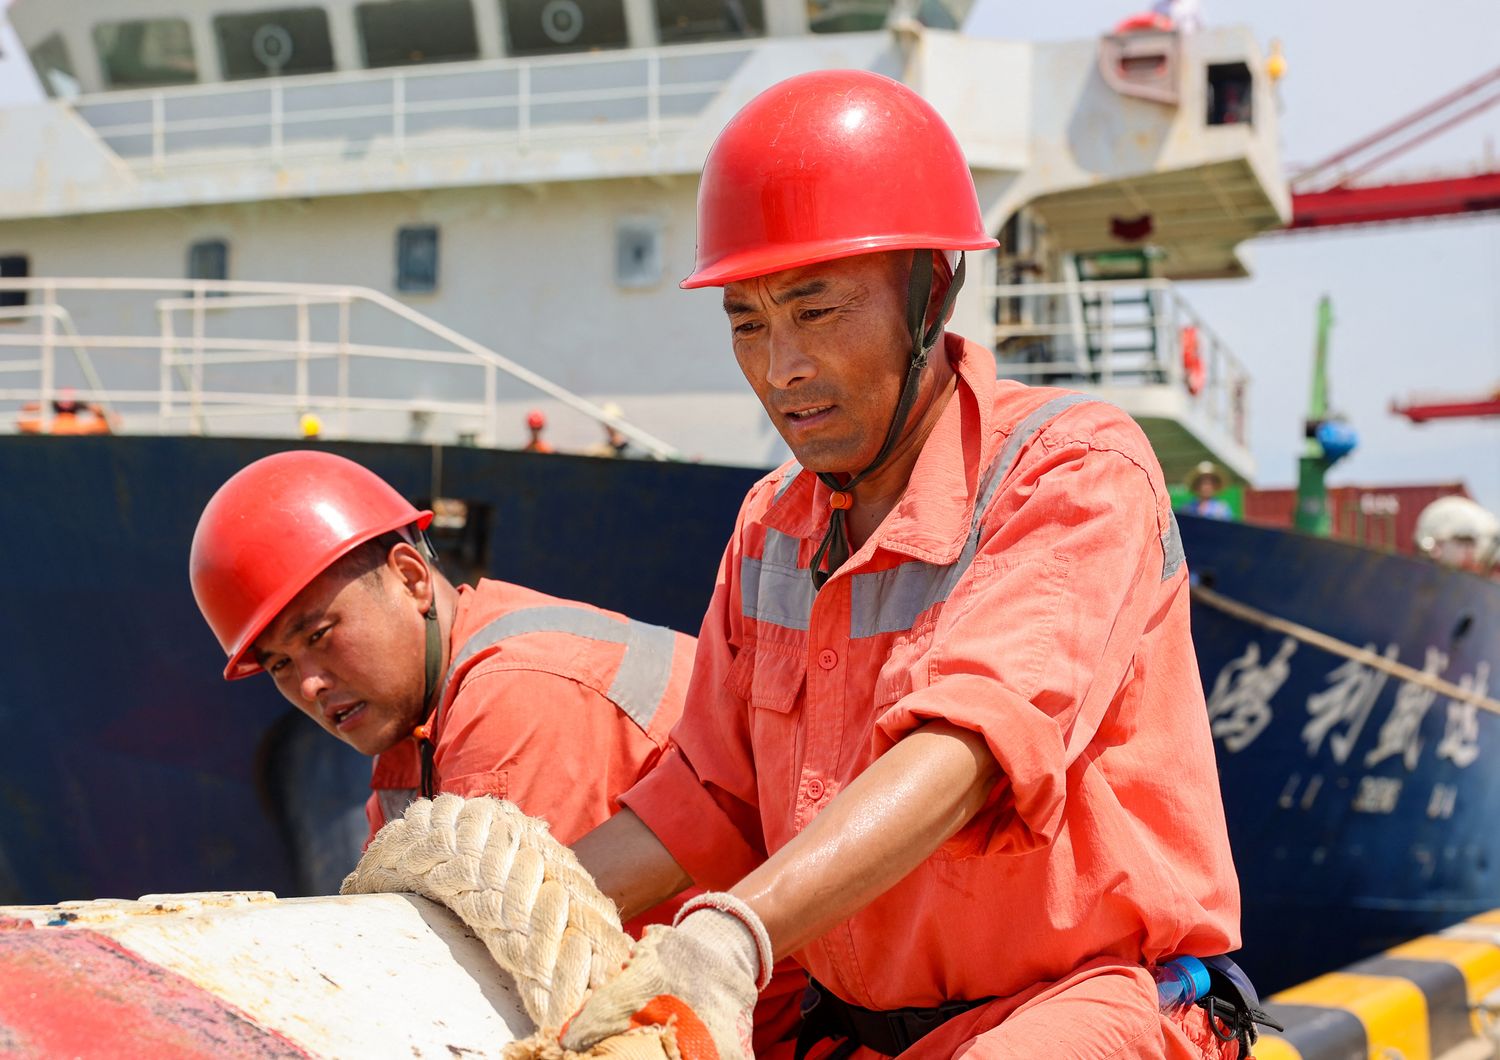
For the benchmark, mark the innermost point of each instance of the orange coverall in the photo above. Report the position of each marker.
(553, 704)
(1029, 586)
(558, 706)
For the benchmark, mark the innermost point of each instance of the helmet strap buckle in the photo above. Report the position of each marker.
(835, 544)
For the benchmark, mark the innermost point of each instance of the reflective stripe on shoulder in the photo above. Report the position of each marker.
(773, 588)
(644, 673)
(889, 601)
(1171, 548)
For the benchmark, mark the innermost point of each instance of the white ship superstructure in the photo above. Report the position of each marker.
(517, 179)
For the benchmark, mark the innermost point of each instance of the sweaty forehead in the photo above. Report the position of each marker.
(836, 277)
(301, 612)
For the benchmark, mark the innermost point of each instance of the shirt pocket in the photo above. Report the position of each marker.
(768, 676)
(494, 782)
(905, 668)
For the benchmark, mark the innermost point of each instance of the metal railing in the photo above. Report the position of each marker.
(263, 357)
(637, 95)
(1118, 334)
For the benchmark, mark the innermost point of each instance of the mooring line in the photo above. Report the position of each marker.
(1333, 645)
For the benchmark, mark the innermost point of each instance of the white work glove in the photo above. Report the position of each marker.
(702, 974)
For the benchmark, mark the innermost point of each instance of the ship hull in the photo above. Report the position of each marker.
(1358, 807)
(131, 767)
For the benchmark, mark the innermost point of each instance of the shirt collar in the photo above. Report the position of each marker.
(932, 519)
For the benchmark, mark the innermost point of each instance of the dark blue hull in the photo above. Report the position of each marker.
(1361, 807)
(130, 767)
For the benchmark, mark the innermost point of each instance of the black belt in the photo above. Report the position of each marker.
(1231, 1003)
(890, 1032)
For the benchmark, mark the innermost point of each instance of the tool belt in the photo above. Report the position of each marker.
(890, 1033)
(1233, 1007)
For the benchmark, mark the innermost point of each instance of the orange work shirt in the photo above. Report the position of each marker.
(553, 704)
(1028, 586)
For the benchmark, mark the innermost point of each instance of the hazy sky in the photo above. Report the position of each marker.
(1417, 306)
(16, 81)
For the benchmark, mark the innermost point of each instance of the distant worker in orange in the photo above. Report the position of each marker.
(536, 423)
(312, 568)
(1206, 483)
(69, 416)
(29, 421)
(945, 742)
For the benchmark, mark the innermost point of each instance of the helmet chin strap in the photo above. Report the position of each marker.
(834, 547)
(423, 733)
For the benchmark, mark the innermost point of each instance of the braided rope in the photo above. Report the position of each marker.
(521, 891)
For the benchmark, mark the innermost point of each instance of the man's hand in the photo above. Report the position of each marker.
(702, 974)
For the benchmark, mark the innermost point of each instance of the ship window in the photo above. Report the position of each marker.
(847, 16)
(13, 266)
(638, 252)
(208, 259)
(681, 21)
(141, 53)
(539, 27)
(939, 14)
(417, 258)
(288, 40)
(1229, 94)
(54, 69)
(403, 32)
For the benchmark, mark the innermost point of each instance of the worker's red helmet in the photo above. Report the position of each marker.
(829, 165)
(535, 420)
(274, 527)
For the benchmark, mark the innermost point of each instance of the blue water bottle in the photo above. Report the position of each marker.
(1180, 982)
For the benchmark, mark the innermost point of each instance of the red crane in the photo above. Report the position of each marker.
(1325, 195)
(1449, 408)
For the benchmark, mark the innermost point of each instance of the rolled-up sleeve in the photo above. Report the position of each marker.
(701, 799)
(1040, 634)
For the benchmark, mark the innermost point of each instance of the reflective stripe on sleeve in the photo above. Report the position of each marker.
(1171, 548)
(644, 672)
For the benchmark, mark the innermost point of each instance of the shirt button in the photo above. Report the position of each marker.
(828, 658)
(815, 789)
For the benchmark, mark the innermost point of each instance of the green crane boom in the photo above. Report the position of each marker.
(1326, 439)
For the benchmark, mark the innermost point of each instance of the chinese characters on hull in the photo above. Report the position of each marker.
(1244, 700)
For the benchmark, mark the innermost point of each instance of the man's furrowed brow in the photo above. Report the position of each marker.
(806, 289)
(294, 627)
(803, 290)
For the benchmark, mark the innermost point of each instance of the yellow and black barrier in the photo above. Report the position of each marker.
(1425, 999)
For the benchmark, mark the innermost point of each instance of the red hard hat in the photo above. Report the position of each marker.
(535, 420)
(274, 527)
(829, 165)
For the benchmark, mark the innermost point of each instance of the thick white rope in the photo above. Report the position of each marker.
(520, 890)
